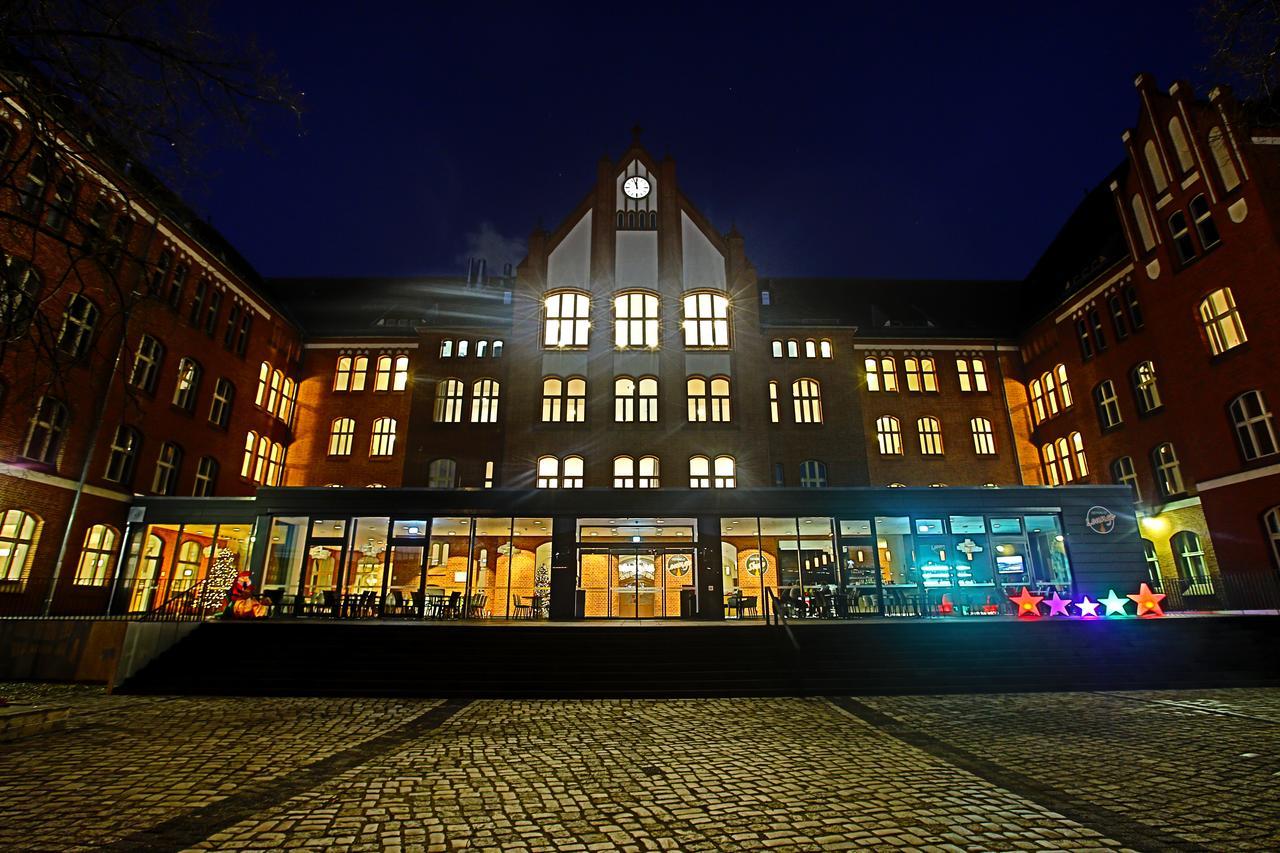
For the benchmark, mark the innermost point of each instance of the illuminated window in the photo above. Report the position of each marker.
(462, 348)
(488, 474)
(264, 382)
(496, 350)
(1155, 167)
(1222, 159)
(449, 400)
(17, 540)
(554, 473)
(930, 432)
(481, 346)
(567, 319)
(889, 435)
(571, 472)
(708, 399)
(261, 454)
(984, 438)
(1107, 404)
(725, 470)
(553, 402)
(1221, 320)
(1203, 218)
(442, 474)
(647, 472)
(446, 348)
(1188, 555)
(813, 474)
(384, 437)
(824, 348)
(184, 391)
(706, 320)
(635, 320)
(1077, 449)
(699, 472)
(1123, 473)
(206, 477)
(359, 370)
(806, 398)
(341, 436)
(288, 398)
(922, 374)
(1145, 388)
(122, 455)
(548, 472)
(1181, 235)
(882, 373)
(275, 464)
(484, 401)
(1144, 224)
(382, 373)
(1253, 425)
(78, 322)
(971, 373)
(146, 363)
(250, 442)
(777, 349)
(1179, 139)
(793, 349)
(647, 408)
(811, 348)
(45, 431)
(1049, 458)
(342, 374)
(773, 401)
(168, 462)
(624, 399)
(401, 380)
(1168, 470)
(624, 472)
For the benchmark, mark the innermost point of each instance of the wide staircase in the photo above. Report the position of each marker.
(722, 659)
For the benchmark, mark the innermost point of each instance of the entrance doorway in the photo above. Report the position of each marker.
(636, 568)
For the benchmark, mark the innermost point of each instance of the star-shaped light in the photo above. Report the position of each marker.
(1058, 605)
(1115, 604)
(1028, 604)
(1088, 609)
(1148, 602)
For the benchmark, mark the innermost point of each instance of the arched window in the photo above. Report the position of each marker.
(1220, 317)
(342, 434)
(1049, 458)
(1144, 387)
(813, 474)
(184, 391)
(1202, 216)
(1222, 159)
(1181, 235)
(1155, 167)
(31, 192)
(571, 472)
(168, 463)
(481, 347)
(442, 474)
(496, 350)
(383, 442)
(288, 397)
(647, 472)
(146, 363)
(889, 435)
(250, 442)
(1124, 473)
(624, 472)
(1057, 388)
(1272, 522)
(635, 320)
(624, 399)
(488, 474)
(793, 349)
(567, 316)
(401, 380)
(647, 389)
(275, 464)
(1168, 471)
(342, 374)
(1037, 400)
(462, 348)
(1144, 224)
(261, 455)
(564, 399)
(264, 380)
(97, 556)
(984, 437)
(930, 431)
(697, 392)
(810, 348)
(725, 469)
(1188, 556)
(708, 399)
(1179, 139)
(382, 373)
(484, 401)
(548, 472)
(706, 320)
(78, 323)
(1107, 404)
(922, 374)
(18, 532)
(1077, 449)
(1254, 426)
(776, 346)
(446, 348)
(806, 399)
(359, 370)
(206, 477)
(123, 455)
(273, 394)
(699, 472)
(552, 399)
(1153, 563)
(186, 567)
(824, 348)
(45, 431)
(449, 399)
(971, 371)
(1063, 448)
(773, 401)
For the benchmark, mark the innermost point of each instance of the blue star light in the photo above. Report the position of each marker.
(1115, 604)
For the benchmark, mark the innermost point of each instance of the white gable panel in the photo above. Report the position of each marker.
(703, 263)
(570, 263)
(637, 259)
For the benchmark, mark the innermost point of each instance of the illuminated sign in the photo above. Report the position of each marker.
(1100, 520)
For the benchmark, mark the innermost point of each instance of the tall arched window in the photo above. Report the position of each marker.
(774, 415)
(708, 399)
(647, 390)
(810, 348)
(1124, 473)
(1077, 450)
(1202, 216)
(78, 323)
(1227, 172)
(1107, 404)
(548, 472)
(725, 470)
(1254, 426)
(261, 456)
(1220, 317)
(383, 442)
(449, 401)
(1144, 387)
(401, 380)
(635, 320)
(572, 472)
(342, 374)
(1037, 400)
(930, 431)
(647, 472)
(1272, 523)
(250, 442)
(971, 372)
(275, 464)
(1049, 458)
(922, 374)
(45, 431)
(382, 373)
(484, 401)
(889, 435)
(806, 400)
(1179, 139)
(624, 472)
(146, 361)
(97, 556)
(824, 348)
(575, 399)
(624, 399)
(168, 463)
(18, 533)
(882, 373)
(984, 437)
(442, 474)
(706, 320)
(1143, 223)
(206, 479)
(123, 455)
(264, 381)
(699, 472)
(1181, 235)
(552, 399)
(273, 394)
(1188, 556)
(184, 390)
(342, 434)
(288, 397)
(1155, 167)
(567, 319)
(359, 370)
(813, 474)
(1168, 471)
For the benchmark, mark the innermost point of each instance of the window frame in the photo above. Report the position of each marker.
(96, 565)
(889, 428)
(984, 436)
(929, 433)
(1221, 321)
(806, 401)
(647, 323)
(382, 437)
(1255, 430)
(576, 322)
(717, 325)
(342, 436)
(1106, 403)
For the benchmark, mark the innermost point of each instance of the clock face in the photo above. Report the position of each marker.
(636, 186)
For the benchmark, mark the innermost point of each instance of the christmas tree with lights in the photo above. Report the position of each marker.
(222, 574)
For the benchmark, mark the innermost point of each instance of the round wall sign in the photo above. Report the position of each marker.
(678, 565)
(1099, 519)
(756, 565)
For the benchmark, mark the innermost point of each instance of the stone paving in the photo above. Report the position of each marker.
(1190, 769)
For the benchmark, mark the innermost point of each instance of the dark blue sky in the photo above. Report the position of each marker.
(905, 139)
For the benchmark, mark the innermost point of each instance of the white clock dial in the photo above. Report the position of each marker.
(636, 186)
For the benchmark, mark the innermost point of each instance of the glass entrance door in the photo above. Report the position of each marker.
(635, 582)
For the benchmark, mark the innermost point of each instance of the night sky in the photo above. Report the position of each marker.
(902, 140)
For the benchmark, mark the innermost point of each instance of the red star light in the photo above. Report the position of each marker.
(1148, 602)
(1028, 604)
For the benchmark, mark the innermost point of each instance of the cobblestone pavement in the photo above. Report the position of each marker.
(1188, 769)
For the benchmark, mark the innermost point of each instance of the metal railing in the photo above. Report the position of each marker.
(775, 606)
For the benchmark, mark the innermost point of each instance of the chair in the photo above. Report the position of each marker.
(747, 606)
(452, 608)
(476, 608)
(419, 604)
(519, 609)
